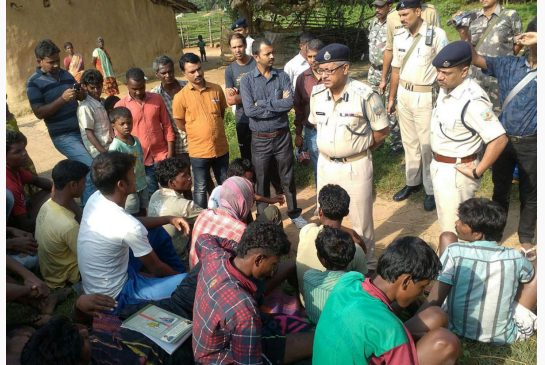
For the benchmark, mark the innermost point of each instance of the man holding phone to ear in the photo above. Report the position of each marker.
(52, 93)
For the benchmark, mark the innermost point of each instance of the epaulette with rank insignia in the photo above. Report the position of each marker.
(362, 89)
(316, 89)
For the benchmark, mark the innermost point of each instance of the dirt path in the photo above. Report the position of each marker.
(391, 219)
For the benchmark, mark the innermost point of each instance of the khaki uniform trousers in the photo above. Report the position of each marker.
(414, 115)
(451, 188)
(357, 179)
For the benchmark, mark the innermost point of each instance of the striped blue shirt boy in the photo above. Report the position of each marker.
(484, 279)
(317, 287)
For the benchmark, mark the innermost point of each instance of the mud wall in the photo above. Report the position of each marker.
(135, 32)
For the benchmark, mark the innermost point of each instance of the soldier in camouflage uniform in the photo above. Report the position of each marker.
(497, 41)
(377, 42)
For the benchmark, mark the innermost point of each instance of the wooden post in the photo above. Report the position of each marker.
(182, 35)
(210, 32)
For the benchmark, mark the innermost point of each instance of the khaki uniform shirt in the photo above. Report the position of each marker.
(393, 22)
(448, 136)
(418, 69)
(345, 127)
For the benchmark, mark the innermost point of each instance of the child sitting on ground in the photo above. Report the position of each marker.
(174, 177)
(491, 289)
(334, 202)
(23, 214)
(336, 250)
(125, 142)
(358, 325)
(243, 167)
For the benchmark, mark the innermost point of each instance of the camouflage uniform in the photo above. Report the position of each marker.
(377, 42)
(499, 42)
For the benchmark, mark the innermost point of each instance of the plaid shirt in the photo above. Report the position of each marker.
(226, 321)
(215, 222)
(181, 138)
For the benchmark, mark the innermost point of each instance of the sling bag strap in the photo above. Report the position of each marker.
(409, 52)
(488, 29)
(518, 87)
(471, 130)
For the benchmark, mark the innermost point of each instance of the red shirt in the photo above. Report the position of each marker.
(15, 181)
(151, 124)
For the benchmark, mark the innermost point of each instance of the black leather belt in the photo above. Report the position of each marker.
(521, 139)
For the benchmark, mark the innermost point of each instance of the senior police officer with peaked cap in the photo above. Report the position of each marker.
(463, 124)
(241, 26)
(350, 120)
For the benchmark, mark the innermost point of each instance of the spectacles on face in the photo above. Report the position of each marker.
(327, 72)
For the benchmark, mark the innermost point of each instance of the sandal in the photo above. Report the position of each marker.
(530, 254)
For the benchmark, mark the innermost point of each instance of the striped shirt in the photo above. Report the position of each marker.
(180, 146)
(485, 278)
(318, 285)
(92, 115)
(42, 89)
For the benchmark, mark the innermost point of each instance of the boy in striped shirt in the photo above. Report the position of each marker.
(335, 250)
(490, 290)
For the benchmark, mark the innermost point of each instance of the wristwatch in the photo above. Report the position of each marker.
(475, 174)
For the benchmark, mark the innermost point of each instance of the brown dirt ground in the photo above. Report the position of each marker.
(391, 219)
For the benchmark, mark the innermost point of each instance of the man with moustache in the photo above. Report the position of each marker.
(169, 86)
(199, 109)
(267, 98)
(350, 120)
(242, 64)
(413, 77)
(463, 125)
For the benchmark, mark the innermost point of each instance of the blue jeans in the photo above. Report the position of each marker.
(201, 174)
(311, 147)
(151, 179)
(161, 243)
(71, 146)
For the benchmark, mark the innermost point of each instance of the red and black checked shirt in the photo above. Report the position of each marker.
(226, 321)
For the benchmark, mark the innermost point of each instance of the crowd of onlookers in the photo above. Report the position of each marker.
(133, 216)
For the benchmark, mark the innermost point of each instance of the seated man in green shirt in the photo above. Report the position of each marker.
(336, 250)
(358, 325)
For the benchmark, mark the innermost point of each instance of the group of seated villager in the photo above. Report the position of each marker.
(133, 215)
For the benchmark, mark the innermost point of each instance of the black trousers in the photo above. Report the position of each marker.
(266, 151)
(521, 151)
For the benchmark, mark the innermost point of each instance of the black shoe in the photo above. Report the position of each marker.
(429, 203)
(405, 192)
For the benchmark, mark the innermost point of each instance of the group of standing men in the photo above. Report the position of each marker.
(448, 110)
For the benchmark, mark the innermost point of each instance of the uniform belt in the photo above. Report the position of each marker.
(352, 158)
(416, 88)
(377, 67)
(445, 159)
(274, 134)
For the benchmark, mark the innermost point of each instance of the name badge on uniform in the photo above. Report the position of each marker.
(401, 49)
(320, 113)
(358, 115)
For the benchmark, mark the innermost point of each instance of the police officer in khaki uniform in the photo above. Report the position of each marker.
(350, 120)
(413, 76)
(463, 123)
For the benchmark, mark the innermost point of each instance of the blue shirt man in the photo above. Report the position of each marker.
(52, 93)
(519, 119)
(267, 97)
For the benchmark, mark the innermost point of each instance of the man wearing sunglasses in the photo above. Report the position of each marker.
(350, 120)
